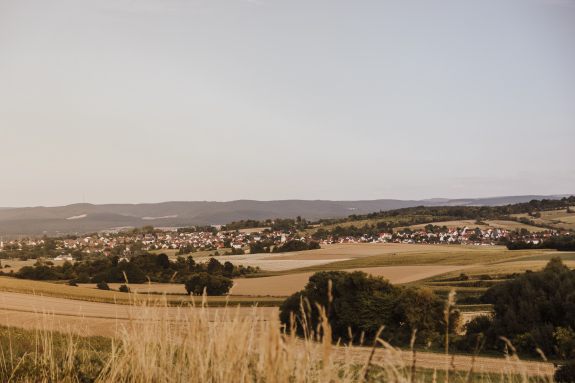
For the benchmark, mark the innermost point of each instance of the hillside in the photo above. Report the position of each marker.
(79, 218)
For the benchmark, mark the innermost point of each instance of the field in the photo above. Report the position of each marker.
(285, 285)
(17, 265)
(47, 289)
(440, 285)
(507, 225)
(88, 311)
(140, 325)
(567, 220)
(460, 256)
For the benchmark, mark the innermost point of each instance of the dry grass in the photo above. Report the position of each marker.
(195, 346)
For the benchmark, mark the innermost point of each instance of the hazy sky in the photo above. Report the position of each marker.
(132, 101)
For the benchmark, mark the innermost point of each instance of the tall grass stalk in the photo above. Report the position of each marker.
(198, 346)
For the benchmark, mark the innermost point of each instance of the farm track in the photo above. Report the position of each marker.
(90, 318)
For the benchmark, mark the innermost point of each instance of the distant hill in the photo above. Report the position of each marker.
(82, 218)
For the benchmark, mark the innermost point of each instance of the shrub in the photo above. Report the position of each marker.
(363, 303)
(214, 284)
(72, 283)
(124, 289)
(566, 373)
(469, 301)
(103, 286)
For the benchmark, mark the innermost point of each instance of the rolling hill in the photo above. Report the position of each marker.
(81, 218)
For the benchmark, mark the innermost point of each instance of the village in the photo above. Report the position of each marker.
(188, 241)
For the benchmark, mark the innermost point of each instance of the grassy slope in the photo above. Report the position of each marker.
(547, 217)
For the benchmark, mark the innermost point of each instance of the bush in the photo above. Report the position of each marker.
(124, 289)
(363, 303)
(469, 301)
(214, 284)
(103, 286)
(565, 374)
(72, 283)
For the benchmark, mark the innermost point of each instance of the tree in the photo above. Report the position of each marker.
(214, 267)
(363, 303)
(163, 261)
(213, 284)
(103, 286)
(124, 289)
(133, 272)
(531, 307)
(191, 264)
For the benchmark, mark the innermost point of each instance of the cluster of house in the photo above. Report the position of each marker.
(174, 240)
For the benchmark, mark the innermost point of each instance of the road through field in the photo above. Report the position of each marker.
(285, 285)
(91, 318)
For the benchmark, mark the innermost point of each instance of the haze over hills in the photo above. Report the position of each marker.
(81, 218)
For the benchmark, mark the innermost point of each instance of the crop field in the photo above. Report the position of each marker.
(93, 318)
(285, 285)
(328, 254)
(567, 220)
(17, 265)
(507, 225)
(498, 270)
(48, 289)
(466, 255)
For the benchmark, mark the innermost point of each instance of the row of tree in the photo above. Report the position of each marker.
(560, 243)
(140, 269)
(423, 214)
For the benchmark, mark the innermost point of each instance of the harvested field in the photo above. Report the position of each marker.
(47, 289)
(461, 255)
(284, 285)
(92, 318)
(273, 262)
(361, 250)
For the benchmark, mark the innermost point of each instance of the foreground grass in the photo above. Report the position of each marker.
(58, 290)
(231, 349)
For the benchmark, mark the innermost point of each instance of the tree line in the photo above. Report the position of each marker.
(139, 269)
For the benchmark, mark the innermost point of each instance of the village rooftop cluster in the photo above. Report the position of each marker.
(125, 245)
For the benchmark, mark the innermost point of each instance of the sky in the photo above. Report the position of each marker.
(142, 101)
